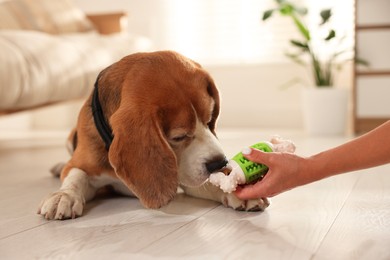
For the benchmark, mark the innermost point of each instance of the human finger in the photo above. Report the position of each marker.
(253, 191)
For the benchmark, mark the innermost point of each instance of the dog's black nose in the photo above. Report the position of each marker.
(215, 165)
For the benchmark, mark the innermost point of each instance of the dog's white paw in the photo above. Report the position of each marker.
(230, 200)
(63, 204)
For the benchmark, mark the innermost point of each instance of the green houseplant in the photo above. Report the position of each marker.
(325, 108)
(323, 70)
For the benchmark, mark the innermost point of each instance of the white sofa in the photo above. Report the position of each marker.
(50, 51)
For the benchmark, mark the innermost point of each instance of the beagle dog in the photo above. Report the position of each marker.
(147, 129)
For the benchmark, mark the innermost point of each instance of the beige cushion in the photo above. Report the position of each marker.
(51, 16)
(38, 68)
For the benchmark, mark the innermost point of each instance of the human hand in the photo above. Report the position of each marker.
(285, 171)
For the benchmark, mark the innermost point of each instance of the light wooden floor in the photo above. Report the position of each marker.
(344, 217)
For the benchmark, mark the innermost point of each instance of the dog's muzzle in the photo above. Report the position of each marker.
(217, 164)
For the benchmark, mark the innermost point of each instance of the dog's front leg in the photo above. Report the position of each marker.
(211, 192)
(69, 201)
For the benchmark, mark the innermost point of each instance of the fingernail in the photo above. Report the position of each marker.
(246, 151)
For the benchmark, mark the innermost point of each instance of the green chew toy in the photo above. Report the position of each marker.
(243, 171)
(253, 171)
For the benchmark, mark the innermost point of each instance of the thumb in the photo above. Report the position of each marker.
(256, 156)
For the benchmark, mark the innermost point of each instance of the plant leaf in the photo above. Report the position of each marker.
(325, 15)
(341, 39)
(336, 54)
(295, 58)
(286, 9)
(331, 35)
(361, 61)
(267, 14)
(301, 10)
(302, 28)
(299, 44)
(280, 1)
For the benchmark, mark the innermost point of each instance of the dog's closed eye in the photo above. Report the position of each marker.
(179, 135)
(180, 138)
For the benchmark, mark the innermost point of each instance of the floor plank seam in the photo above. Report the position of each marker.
(22, 231)
(335, 219)
(178, 228)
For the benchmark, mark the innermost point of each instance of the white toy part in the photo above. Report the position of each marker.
(228, 183)
(282, 146)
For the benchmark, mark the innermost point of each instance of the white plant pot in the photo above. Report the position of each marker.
(325, 110)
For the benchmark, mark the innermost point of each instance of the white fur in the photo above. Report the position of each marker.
(104, 180)
(69, 201)
(75, 191)
(204, 147)
(210, 192)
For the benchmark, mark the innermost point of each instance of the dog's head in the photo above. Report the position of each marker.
(163, 110)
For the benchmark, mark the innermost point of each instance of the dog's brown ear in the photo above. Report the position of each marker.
(213, 92)
(142, 158)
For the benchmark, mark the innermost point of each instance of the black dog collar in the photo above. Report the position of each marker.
(101, 123)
